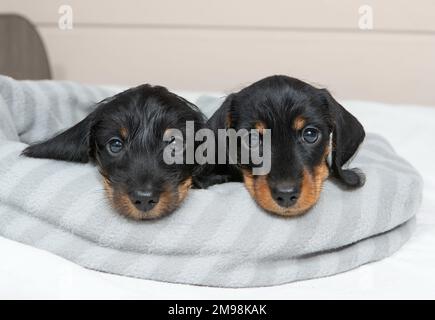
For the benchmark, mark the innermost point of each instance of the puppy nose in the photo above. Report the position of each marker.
(144, 200)
(286, 195)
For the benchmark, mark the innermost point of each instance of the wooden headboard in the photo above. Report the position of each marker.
(221, 45)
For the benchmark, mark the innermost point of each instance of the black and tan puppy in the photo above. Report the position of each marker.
(302, 120)
(124, 138)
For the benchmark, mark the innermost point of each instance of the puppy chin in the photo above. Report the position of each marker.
(259, 189)
(169, 201)
(146, 215)
(272, 207)
(288, 212)
(166, 205)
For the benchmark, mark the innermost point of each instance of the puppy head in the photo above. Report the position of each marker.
(124, 137)
(302, 120)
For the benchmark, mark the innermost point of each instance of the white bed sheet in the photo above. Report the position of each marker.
(30, 273)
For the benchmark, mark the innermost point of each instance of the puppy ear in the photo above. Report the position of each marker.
(347, 135)
(225, 116)
(71, 145)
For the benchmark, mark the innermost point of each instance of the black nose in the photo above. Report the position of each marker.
(286, 195)
(144, 200)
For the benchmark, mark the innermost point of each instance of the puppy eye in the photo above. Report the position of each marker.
(310, 135)
(176, 141)
(115, 146)
(177, 145)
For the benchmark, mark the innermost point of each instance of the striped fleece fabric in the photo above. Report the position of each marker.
(218, 237)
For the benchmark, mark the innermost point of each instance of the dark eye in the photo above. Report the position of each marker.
(310, 134)
(177, 144)
(115, 146)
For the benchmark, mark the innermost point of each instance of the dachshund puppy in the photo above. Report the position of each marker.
(124, 137)
(307, 127)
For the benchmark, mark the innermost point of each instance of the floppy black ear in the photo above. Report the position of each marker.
(347, 135)
(71, 145)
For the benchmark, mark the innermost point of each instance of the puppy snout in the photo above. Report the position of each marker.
(286, 195)
(144, 200)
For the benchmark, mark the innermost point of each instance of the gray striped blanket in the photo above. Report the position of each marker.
(219, 237)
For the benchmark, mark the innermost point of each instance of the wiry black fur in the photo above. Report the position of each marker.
(277, 101)
(145, 112)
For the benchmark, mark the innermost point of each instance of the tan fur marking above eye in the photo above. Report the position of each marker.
(260, 126)
(124, 133)
(299, 123)
(228, 120)
(167, 133)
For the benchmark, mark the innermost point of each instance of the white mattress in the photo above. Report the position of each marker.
(26, 272)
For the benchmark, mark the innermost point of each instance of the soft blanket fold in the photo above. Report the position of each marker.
(219, 237)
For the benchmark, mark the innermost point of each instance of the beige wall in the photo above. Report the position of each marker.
(222, 45)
